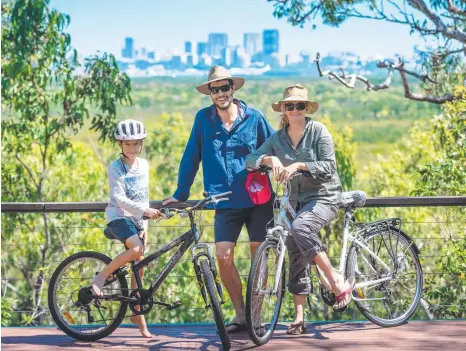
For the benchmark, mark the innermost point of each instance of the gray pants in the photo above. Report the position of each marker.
(304, 243)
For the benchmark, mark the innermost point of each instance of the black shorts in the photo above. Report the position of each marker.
(228, 222)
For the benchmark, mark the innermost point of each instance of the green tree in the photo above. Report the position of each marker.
(445, 175)
(442, 22)
(45, 100)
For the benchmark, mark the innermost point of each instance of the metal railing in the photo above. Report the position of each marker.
(430, 251)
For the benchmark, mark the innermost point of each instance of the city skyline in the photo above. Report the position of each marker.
(166, 26)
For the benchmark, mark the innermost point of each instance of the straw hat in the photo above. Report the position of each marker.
(296, 93)
(217, 73)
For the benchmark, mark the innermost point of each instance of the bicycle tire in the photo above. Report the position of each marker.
(263, 339)
(54, 309)
(214, 303)
(351, 271)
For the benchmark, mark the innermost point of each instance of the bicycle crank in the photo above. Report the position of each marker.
(145, 303)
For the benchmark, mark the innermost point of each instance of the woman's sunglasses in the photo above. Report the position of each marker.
(300, 106)
(223, 88)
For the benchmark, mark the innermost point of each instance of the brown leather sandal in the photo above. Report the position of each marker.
(296, 329)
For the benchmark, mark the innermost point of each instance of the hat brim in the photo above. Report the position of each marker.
(238, 82)
(312, 106)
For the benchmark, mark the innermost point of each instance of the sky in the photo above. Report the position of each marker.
(102, 25)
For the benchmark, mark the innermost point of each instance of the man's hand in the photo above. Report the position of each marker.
(152, 213)
(169, 200)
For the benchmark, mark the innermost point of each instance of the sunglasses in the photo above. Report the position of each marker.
(300, 106)
(223, 88)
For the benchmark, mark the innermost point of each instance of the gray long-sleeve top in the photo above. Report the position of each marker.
(129, 191)
(316, 150)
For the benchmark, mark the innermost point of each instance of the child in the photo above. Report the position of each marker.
(128, 178)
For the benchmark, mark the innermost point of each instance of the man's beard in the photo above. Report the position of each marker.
(225, 107)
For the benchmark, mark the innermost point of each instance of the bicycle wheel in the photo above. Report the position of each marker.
(262, 303)
(70, 298)
(392, 302)
(214, 303)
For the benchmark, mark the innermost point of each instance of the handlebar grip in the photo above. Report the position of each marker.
(228, 193)
(261, 169)
(167, 213)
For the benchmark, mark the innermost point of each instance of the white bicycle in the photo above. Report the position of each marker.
(382, 259)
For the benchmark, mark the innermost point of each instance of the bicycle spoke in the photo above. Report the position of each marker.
(396, 298)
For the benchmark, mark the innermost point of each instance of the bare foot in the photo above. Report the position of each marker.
(98, 285)
(141, 323)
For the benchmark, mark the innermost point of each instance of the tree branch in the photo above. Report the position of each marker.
(448, 32)
(419, 97)
(385, 85)
(353, 77)
(453, 9)
(28, 170)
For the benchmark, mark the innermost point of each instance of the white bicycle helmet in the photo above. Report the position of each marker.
(130, 129)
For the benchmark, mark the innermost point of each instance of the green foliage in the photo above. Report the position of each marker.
(445, 175)
(448, 289)
(7, 312)
(44, 101)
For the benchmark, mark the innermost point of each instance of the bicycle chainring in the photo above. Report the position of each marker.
(146, 301)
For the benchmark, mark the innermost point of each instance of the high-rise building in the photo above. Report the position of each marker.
(201, 48)
(252, 43)
(151, 55)
(188, 47)
(271, 41)
(217, 42)
(128, 50)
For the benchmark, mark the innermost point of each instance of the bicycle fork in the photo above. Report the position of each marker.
(207, 253)
(277, 234)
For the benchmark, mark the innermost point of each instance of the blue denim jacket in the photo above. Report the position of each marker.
(223, 153)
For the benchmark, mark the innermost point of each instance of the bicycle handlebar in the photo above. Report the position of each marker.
(266, 169)
(170, 212)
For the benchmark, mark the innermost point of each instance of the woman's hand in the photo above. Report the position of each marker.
(275, 163)
(287, 172)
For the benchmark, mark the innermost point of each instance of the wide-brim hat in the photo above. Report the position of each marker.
(296, 93)
(217, 73)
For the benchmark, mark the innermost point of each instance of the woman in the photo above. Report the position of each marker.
(302, 144)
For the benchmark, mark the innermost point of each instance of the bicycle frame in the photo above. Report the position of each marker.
(283, 228)
(184, 242)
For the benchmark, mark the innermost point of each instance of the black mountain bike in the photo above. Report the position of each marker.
(87, 317)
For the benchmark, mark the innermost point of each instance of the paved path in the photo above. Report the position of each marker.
(418, 336)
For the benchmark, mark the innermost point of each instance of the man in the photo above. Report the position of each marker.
(222, 136)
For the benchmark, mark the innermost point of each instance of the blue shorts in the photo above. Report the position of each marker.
(228, 222)
(122, 229)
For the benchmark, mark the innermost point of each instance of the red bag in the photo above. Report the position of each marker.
(257, 185)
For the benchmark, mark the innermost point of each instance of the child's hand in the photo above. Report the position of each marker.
(152, 213)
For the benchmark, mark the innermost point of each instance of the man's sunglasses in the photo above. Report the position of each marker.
(300, 106)
(223, 88)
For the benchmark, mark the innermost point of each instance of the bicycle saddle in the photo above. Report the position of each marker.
(356, 198)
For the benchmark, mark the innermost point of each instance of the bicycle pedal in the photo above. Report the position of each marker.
(174, 305)
(343, 309)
